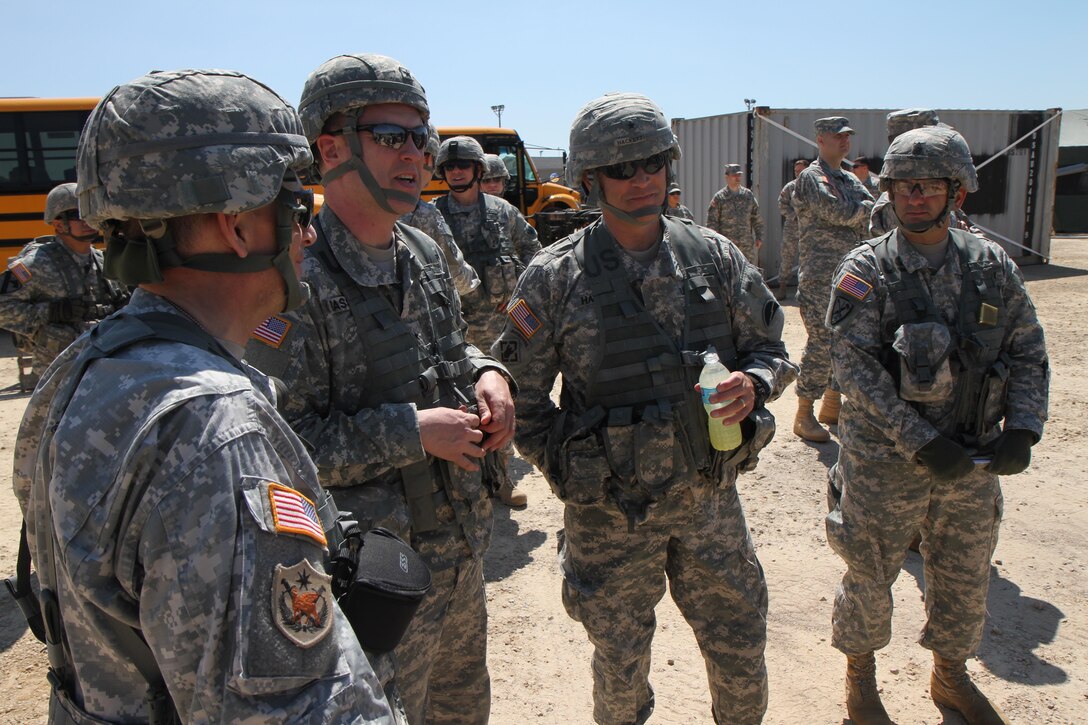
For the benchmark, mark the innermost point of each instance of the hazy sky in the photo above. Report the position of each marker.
(544, 60)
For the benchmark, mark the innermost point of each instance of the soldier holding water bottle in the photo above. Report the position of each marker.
(626, 310)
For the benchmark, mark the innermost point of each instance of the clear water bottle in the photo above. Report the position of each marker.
(722, 437)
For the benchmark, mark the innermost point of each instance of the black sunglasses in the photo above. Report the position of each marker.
(394, 136)
(463, 164)
(627, 169)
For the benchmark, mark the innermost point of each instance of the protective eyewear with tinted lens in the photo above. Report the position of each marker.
(926, 187)
(628, 169)
(394, 136)
(462, 164)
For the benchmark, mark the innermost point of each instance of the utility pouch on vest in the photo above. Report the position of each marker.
(500, 276)
(577, 469)
(995, 389)
(641, 453)
(925, 374)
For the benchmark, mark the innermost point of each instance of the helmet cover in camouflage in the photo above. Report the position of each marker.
(460, 147)
(496, 169)
(433, 141)
(931, 152)
(354, 81)
(62, 198)
(615, 128)
(908, 119)
(174, 143)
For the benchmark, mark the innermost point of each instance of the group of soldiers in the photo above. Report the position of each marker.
(185, 468)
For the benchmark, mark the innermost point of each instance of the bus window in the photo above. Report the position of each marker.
(38, 150)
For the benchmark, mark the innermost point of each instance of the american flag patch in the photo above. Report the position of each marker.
(21, 273)
(272, 331)
(293, 513)
(854, 286)
(523, 319)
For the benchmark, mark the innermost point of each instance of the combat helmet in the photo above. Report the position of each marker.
(930, 152)
(431, 152)
(461, 148)
(617, 128)
(177, 143)
(908, 119)
(60, 199)
(496, 169)
(347, 84)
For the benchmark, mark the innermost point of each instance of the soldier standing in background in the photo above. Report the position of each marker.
(398, 407)
(622, 310)
(871, 182)
(940, 353)
(495, 176)
(832, 217)
(180, 556)
(789, 230)
(498, 242)
(57, 289)
(675, 209)
(734, 213)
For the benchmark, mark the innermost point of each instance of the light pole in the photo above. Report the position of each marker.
(749, 102)
(498, 112)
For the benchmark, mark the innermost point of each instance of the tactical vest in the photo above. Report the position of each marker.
(486, 246)
(981, 320)
(401, 370)
(104, 293)
(642, 372)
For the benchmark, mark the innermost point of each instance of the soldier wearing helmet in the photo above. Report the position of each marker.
(398, 406)
(55, 288)
(936, 344)
(832, 209)
(623, 310)
(675, 208)
(495, 176)
(734, 213)
(498, 243)
(199, 593)
(427, 219)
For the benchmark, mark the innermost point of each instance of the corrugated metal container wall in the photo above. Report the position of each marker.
(1016, 199)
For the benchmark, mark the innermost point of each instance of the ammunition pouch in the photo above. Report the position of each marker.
(499, 276)
(575, 464)
(925, 373)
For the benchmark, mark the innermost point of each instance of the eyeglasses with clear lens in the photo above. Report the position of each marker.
(394, 136)
(926, 187)
(462, 164)
(627, 169)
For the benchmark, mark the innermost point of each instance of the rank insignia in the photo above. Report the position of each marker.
(302, 603)
(987, 315)
(523, 319)
(293, 513)
(854, 286)
(21, 273)
(272, 331)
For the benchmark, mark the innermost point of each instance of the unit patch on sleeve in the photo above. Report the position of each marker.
(293, 513)
(854, 286)
(272, 331)
(302, 603)
(524, 319)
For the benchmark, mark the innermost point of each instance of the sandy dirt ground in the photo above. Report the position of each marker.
(1034, 655)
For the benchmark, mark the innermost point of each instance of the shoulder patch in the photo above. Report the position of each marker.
(302, 603)
(854, 286)
(20, 272)
(510, 351)
(523, 318)
(293, 513)
(272, 331)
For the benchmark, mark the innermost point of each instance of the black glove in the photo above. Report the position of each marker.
(1011, 452)
(71, 309)
(946, 459)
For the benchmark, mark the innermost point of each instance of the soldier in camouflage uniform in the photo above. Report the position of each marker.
(427, 219)
(495, 176)
(675, 208)
(181, 552)
(871, 182)
(623, 310)
(498, 243)
(832, 215)
(397, 406)
(57, 290)
(789, 230)
(734, 213)
(940, 353)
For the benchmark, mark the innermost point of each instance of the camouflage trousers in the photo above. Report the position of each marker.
(613, 579)
(747, 246)
(442, 660)
(813, 297)
(883, 505)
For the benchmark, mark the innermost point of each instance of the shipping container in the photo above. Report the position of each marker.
(1015, 202)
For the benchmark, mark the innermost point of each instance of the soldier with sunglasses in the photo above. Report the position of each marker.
(398, 406)
(624, 310)
(56, 288)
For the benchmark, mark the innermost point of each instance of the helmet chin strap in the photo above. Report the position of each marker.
(940, 219)
(642, 216)
(471, 182)
(356, 163)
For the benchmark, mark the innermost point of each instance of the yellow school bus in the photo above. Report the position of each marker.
(38, 140)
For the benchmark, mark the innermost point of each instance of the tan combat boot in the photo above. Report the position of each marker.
(951, 686)
(829, 407)
(805, 425)
(511, 495)
(862, 697)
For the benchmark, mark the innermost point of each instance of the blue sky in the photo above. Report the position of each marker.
(544, 60)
